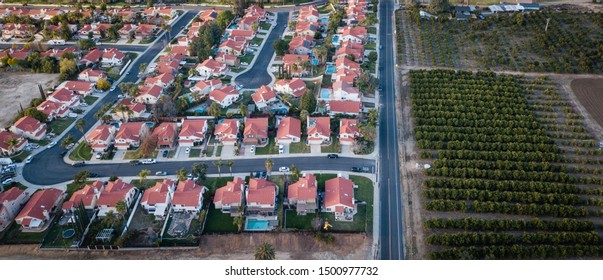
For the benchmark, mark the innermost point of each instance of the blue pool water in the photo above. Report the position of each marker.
(233, 26)
(324, 20)
(335, 40)
(325, 93)
(315, 61)
(150, 124)
(331, 69)
(253, 224)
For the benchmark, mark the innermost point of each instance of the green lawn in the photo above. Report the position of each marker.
(90, 99)
(209, 151)
(321, 178)
(194, 153)
(218, 222)
(372, 30)
(300, 147)
(21, 156)
(324, 9)
(288, 38)
(248, 57)
(256, 40)
(146, 184)
(55, 239)
(83, 151)
(237, 69)
(13, 235)
(213, 183)
(370, 46)
(59, 125)
(270, 149)
(219, 151)
(134, 155)
(363, 220)
(265, 26)
(42, 142)
(299, 222)
(358, 224)
(226, 79)
(333, 148)
(326, 80)
(368, 66)
(147, 40)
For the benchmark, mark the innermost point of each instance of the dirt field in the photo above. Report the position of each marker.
(21, 88)
(288, 246)
(590, 95)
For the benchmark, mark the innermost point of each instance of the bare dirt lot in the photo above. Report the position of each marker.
(590, 94)
(20, 88)
(288, 246)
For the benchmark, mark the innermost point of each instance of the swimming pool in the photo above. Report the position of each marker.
(331, 69)
(253, 224)
(324, 20)
(335, 40)
(314, 61)
(233, 26)
(325, 93)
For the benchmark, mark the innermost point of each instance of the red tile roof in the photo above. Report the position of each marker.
(100, 133)
(227, 127)
(288, 126)
(187, 194)
(320, 125)
(114, 192)
(28, 124)
(344, 106)
(192, 128)
(41, 200)
(79, 86)
(339, 191)
(85, 195)
(296, 85)
(201, 85)
(166, 133)
(220, 94)
(257, 127)
(158, 193)
(304, 189)
(261, 191)
(10, 195)
(349, 127)
(130, 131)
(231, 193)
(293, 58)
(263, 94)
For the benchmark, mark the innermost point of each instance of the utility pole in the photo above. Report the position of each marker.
(547, 24)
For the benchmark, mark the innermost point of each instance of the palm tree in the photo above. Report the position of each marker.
(244, 110)
(142, 67)
(123, 109)
(121, 208)
(106, 118)
(264, 252)
(230, 163)
(269, 164)
(12, 142)
(199, 169)
(285, 97)
(109, 220)
(239, 220)
(181, 174)
(214, 109)
(80, 125)
(218, 164)
(303, 115)
(295, 172)
(143, 176)
(195, 95)
(66, 141)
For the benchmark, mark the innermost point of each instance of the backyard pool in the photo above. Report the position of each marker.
(150, 124)
(324, 21)
(314, 61)
(335, 40)
(257, 225)
(325, 93)
(233, 26)
(331, 69)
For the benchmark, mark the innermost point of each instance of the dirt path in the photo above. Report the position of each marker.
(20, 88)
(228, 246)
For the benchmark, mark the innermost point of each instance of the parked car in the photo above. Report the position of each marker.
(148, 161)
(98, 155)
(51, 144)
(161, 173)
(281, 149)
(135, 162)
(78, 164)
(190, 177)
(165, 153)
(283, 169)
(93, 175)
(333, 156)
(7, 182)
(361, 169)
(70, 146)
(28, 159)
(187, 150)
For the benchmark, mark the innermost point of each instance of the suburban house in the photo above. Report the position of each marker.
(92, 57)
(53, 109)
(349, 48)
(295, 87)
(89, 75)
(29, 128)
(292, 63)
(347, 64)
(192, 132)
(188, 197)
(183, 50)
(149, 94)
(162, 80)
(101, 137)
(11, 202)
(345, 107)
(348, 131)
(345, 75)
(228, 59)
(247, 23)
(134, 109)
(233, 47)
(357, 34)
(239, 33)
(224, 96)
(319, 130)
(144, 31)
(230, 197)
(211, 68)
(57, 53)
(306, 28)
(127, 31)
(64, 96)
(79, 87)
(256, 11)
(339, 198)
(227, 131)
(301, 45)
(263, 96)
(308, 13)
(256, 131)
(204, 87)
(95, 28)
(261, 197)
(302, 194)
(289, 131)
(170, 66)
(112, 57)
(18, 30)
(166, 135)
(131, 134)
(167, 12)
(88, 196)
(38, 210)
(126, 14)
(21, 54)
(208, 15)
(345, 91)
(157, 199)
(7, 149)
(114, 192)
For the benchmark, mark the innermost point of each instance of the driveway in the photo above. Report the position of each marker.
(227, 151)
(258, 75)
(315, 149)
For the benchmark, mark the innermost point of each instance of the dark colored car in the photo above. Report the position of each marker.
(165, 153)
(333, 156)
(135, 162)
(78, 164)
(355, 169)
(93, 175)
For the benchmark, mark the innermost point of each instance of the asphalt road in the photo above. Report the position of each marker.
(391, 221)
(258, 75)
(48, 166)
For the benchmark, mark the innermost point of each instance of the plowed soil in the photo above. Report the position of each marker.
(590, 94)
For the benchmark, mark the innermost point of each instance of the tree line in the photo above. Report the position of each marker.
(476, 224)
